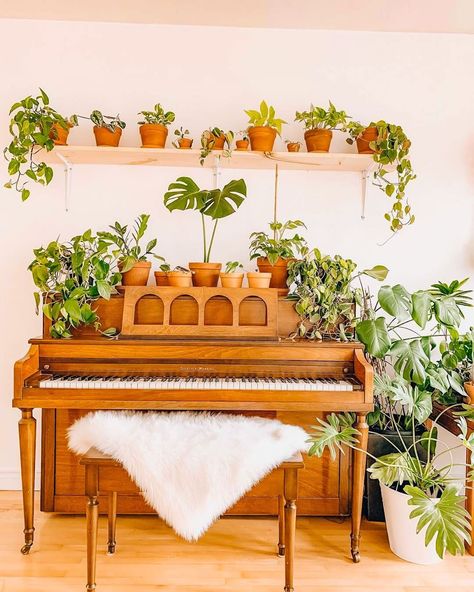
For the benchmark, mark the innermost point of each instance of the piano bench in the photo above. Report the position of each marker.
(93, 460)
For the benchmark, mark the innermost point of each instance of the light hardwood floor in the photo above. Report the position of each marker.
(235, 555)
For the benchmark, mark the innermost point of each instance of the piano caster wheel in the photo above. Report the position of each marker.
(110, 548)
(281, 550)
(356, 556)
(25, 550)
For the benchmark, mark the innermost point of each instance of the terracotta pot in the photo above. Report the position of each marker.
(205, 274)
(138, 275)
(279, 273)
(161, 278)
(218, 142)
(469, 386)
(104, 137)
(180, 279)
(59, 135)
(153, 135)
(370, 134)
(293, 146)
(259, 280)
(262, 138)
(232, 280)
(318, 140)
(241, 144)
(185, 143)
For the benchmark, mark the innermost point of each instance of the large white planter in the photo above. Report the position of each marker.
(402, 536)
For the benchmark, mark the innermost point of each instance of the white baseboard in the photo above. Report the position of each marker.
(10, 479)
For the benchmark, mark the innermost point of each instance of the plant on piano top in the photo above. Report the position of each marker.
(71, 277)
(431, 494)
(323, 294)
(233, 267)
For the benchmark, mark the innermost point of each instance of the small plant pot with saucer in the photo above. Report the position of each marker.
(231, 278)
(293, 146)
(180, 277)
(257, 279)
(205, 274)
(318, 140)
(153, 127)
(264, 127)
(370, 134)
(242, 145)
(182, 143)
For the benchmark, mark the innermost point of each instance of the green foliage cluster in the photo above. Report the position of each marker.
(158, 116)
(276, 247)
(233, 266)
(265, 117)
(208, 141)
(112, 123)
(320, 118)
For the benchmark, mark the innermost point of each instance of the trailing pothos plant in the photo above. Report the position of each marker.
(276, 245)
(323, 294)
(31, 126)
(157, 116)
(208, 140)
(184, 194)
(321, 118)
(70, 277)
(391, 151)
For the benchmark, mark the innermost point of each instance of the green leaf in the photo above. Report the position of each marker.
(421, 307)
(447, 312)
(378, 272)
(104, 289)
(396, 301)
(422, 404)
(73, 309)
(396, 467)
(184, 194)
(410, 360)
(374, 335)
(333, 433)
(222, 203)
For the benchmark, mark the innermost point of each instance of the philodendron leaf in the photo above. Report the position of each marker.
(333, 433)
(222, 203)
(421, 307)
(375, 337)
(396, 467)
(422, 404)
(378, 272)
(444, 518)
(410, 360)
(396, 301)
(184, 194)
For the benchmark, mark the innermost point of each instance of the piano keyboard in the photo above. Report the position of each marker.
(189, 383)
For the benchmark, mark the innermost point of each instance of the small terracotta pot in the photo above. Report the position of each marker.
(293, 146)
(232, 280)
(205, 274)
(279, 273)
(161, 278)
(257, 279)
(318, 140)
(59, 135)
(180, 279)
(138, 275)
(104, 137)
(218, 142)
(185, 143)
(153, 135)
(241, 144)
(370, 134)
(469, 386)
(262, 138)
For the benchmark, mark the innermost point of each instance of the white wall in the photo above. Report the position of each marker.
(208, 76)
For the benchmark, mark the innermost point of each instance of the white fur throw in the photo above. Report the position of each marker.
(190, 467)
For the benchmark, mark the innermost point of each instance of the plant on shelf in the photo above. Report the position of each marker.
(154, 126)
(182, 142)
(59, 132)
(184, 194)
(216, 139)
(323, 294)
(107, 128)
(180, 277)
(161, 276)
(274, 252)
(466, 363)
(244, 141)
(71, 277)
(319, 123)
(232, 276)
(264, 127)
(293, 146)
(132, 257)
(390, 148)
(32, 125)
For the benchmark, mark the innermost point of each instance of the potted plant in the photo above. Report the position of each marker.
(216, 139)
(184, 194)
(274, 253)
(243, 143)
(182, 142)
(161, 277)
(32, 121)
(424, 509)
(180, 277)
(469, 384)
(264, 127)
(318, 124)
(259, 279)
(59, 131)
(292, 146)
(232, 277)
(71, 277)
(107, 128)
(390, 148)
(131, 256)
(154, 126)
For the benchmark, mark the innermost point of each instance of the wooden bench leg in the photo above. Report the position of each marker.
(112, 521)
(290, 488)
(92, 519)
(358, 475)
(281, 526)
(27, 432)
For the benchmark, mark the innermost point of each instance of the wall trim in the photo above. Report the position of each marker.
(10, 479)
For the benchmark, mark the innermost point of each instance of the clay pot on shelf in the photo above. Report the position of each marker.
(262, 138)
(185, 143)
(293, 146)
(153, 135)
(59, 135)
(257, 279)
(180, 279)
(104, 137)
(218, 143)
(469, 387)
(137, 275)
(278, 272)
(205, 274)
(370, 134)
(161, 278)
(232, 280)
(318, 140)
(241, 144)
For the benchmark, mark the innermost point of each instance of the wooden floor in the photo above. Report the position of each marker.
(235, 555)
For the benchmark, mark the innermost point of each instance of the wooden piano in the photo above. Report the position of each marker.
(232, 371)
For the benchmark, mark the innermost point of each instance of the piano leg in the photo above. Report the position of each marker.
(92, 519)
(290, 489)
(358, 474)
(27, 433)
(281, 526)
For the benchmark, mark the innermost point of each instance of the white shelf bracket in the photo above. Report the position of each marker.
(364, 176)
(67, 180)
(216, 171)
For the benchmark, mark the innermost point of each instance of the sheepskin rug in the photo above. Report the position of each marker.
(190, 467)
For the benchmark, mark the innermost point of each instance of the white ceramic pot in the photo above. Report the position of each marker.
(402, 536)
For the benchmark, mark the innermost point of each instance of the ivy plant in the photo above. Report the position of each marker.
(31, 128)
(157, 116)
(70, 277)
(208, 141)
(320, 118)
(184, 194)
(276, 246)
(265, 117)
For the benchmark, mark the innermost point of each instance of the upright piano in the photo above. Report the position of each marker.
(292, 380)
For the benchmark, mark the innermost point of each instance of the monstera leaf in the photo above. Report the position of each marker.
(396, 301)
(220, 203)
(447, 312)
(411, 360)
(184, 194)
(421, 307)
(374, 335)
